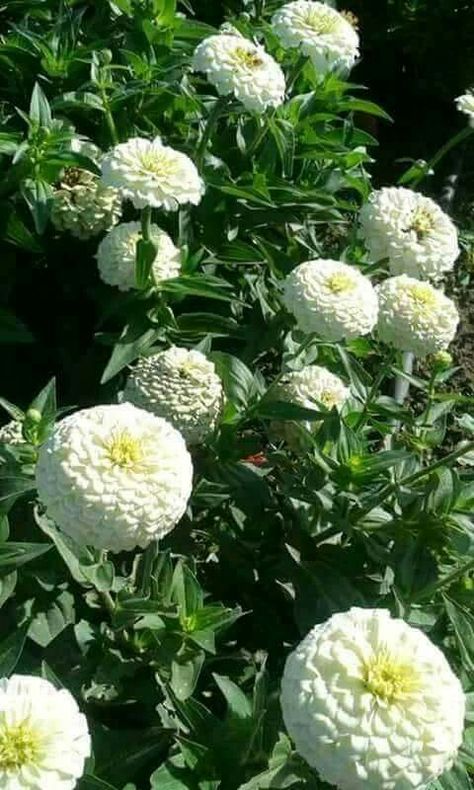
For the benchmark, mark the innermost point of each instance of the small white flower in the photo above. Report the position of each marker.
(117, 252)
(152, 174)
(44, 739)
(332, 299)
(372, 704)
(411, 230)
(12, 433)
(114, 477)
(414, 316)
(180, 385)
(321, 32)
(465, 104)
(309, 387)
(83, 206)
(235, 65)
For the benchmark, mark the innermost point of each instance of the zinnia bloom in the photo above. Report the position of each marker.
(372, 704)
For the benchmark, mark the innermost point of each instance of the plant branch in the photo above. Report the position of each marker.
(211, 123)
(441, 153)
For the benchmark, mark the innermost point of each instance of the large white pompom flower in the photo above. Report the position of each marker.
(331, 298)
(44, 739)
(309, 387)
(180, 385)
(152, 174)
(321, 32)
(12, 433)
(114, 477)
(411, 230)
(83, 206)
(235, 65)
(414, 316)
(116, 256)
(465, 104)
(372, 704)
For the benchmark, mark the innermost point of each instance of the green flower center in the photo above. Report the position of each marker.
(340, 283)
(422, 222)
(157, 164)
(124, 450)
(424, 300)
(19, 746)
(247, 59)
(319, 21)
(328, 398)
(388, 678)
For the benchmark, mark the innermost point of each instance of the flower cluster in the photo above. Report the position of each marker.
(180, 385)
(331, 298)
(371, 703)
(44, 739)
(320, 32)
(114, 477)
(83, 206)
(116, 256)
(235, 65)
(411, 231)
(414, 316)
(152, 174)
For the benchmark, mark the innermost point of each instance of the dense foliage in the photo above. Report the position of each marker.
(175, 653)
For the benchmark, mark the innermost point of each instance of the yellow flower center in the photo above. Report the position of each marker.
(328, 398)
(19, 746)
(424, 299)
(340, 283)
(124, 450)
(247, 59)
(319, 21)
(157, 164)
(389, 678)
(422, 222)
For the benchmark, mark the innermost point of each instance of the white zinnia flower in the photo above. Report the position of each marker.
(331, 298)
(114, 477)
(372, 704)
(414, 316)
(465, 104)
(309, 387)
(235, 65)
(152, 174)
(411, 230)
(321, 32)
(12, 433)
(83, 206)
(116, 256)
(180, 385)
(44, 740)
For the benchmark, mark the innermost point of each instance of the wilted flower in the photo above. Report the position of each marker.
(331, 298)
(310, 388)
(372, 704)
(44, 740)
(235, 65)
(116, 256)
(152, 174)
(465, 104)
(411, 230)
(83, 206)
(414, 316)
(322, 33)
(114, 477)
(180, 385)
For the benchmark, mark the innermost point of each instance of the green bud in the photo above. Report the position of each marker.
(442, 360)
(33, 415)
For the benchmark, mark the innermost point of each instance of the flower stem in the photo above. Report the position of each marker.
(383, 371)
(146, 223)
(441, 153)
(445, 582)
(109, 117)
(146, 569)
(209, 128)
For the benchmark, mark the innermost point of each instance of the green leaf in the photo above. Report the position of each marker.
(40, 111)
(185, 590)
(13, 330)
(282, 410)
(90, 782)
(146, 254)
(14, 555)
(38, 195)
(133, 342)
(185, 674)
(455, 779)
(463, 624)
(238, 381)
(11, 649)
(237, 703)
(199, 285)
(48, 624)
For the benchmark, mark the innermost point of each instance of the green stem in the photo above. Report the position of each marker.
(413, 478)
(385, 368)
(329, 532)
(441, 153)
(145, 219)
(209, 128)
(108, 602)
(146, 568)
(109, 117)
(258, 139)
(446, 581)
